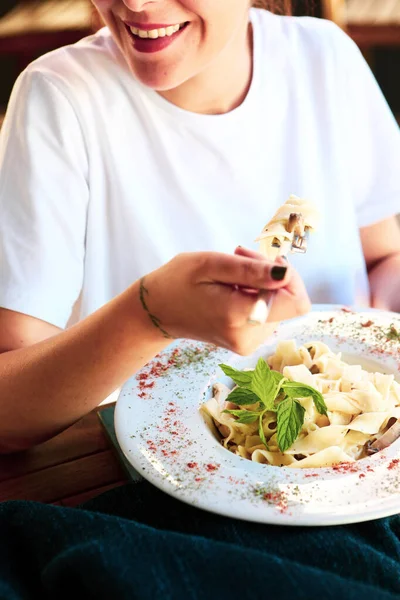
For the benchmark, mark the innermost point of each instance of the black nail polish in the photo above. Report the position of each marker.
(278, 273)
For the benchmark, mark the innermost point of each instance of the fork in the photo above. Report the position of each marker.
(299, 245)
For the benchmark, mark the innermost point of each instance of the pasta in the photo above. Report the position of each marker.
(295, 217)
(361, 408)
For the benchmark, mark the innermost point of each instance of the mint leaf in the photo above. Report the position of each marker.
(241, 378)
(290, 421)
(278, 377)
(320, 403)
(301, 390)
(242, 397)
(244, 416)
(264, 384)
(261, 431)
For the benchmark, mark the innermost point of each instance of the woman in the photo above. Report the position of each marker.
(180, 128)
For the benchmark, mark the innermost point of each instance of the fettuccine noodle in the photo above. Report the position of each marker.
(361, 408)
(277, 236)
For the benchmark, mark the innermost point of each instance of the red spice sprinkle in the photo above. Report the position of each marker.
(346, 310)
(345, 468)
(174, 433)
(367, 324)
(175, 423)
(279, 499)
(394, 463)
(192, 465)
(361, 475)
(235, 481)
(198, 478)
(312, 475)
(171, 404)
(331, 319)
(178, 358)
(211, 467)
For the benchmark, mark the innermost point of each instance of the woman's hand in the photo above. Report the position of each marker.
(204, 296)
(210, 297)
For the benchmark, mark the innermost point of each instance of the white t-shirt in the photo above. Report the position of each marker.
(102, 180)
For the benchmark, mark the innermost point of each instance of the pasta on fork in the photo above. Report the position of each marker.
(288, 229)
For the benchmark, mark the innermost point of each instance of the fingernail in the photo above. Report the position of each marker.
(278, 273)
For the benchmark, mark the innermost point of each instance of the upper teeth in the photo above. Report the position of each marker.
(155, 33)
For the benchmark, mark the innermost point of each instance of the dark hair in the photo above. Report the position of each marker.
(288, 7)
(278, 6)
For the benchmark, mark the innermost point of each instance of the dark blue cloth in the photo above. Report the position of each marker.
(136, 542)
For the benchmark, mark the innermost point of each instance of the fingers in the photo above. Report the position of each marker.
(244, 272)
(240, 251)
(233, 324)
(283, 304)
(290, 302)
(201, 296)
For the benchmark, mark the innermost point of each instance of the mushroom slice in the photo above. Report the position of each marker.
(391, 435)
(296, 224)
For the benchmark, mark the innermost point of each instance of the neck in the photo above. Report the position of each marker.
(219, 88)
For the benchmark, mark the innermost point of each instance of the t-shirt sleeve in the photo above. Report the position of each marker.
(43, 201)
(371, 138)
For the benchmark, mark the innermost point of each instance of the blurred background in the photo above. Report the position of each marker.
(29, 28)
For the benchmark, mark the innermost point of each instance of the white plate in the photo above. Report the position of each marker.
(164, 436)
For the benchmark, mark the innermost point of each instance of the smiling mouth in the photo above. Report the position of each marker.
(154, 34)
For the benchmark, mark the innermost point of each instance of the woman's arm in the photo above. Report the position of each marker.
(50, 384)
(381, 245)
(47, 386)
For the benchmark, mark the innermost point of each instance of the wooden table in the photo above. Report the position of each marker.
(73, 467)
(373, 22)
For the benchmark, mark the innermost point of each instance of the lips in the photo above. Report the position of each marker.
(154, 37)
(149, 26)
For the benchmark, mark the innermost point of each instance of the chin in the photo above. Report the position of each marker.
(159, 80)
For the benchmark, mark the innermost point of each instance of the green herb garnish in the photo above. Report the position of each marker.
(271, 392)
(244, 416)
(290, 421)
(243, 396)
(242, 378)
(393, 334)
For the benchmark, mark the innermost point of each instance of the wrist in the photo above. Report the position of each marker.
(145, 324)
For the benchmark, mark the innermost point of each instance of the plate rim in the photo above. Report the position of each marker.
(304, 519)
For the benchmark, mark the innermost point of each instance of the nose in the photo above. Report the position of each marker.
(139, 5)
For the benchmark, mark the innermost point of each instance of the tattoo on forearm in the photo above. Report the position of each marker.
(155, 320)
